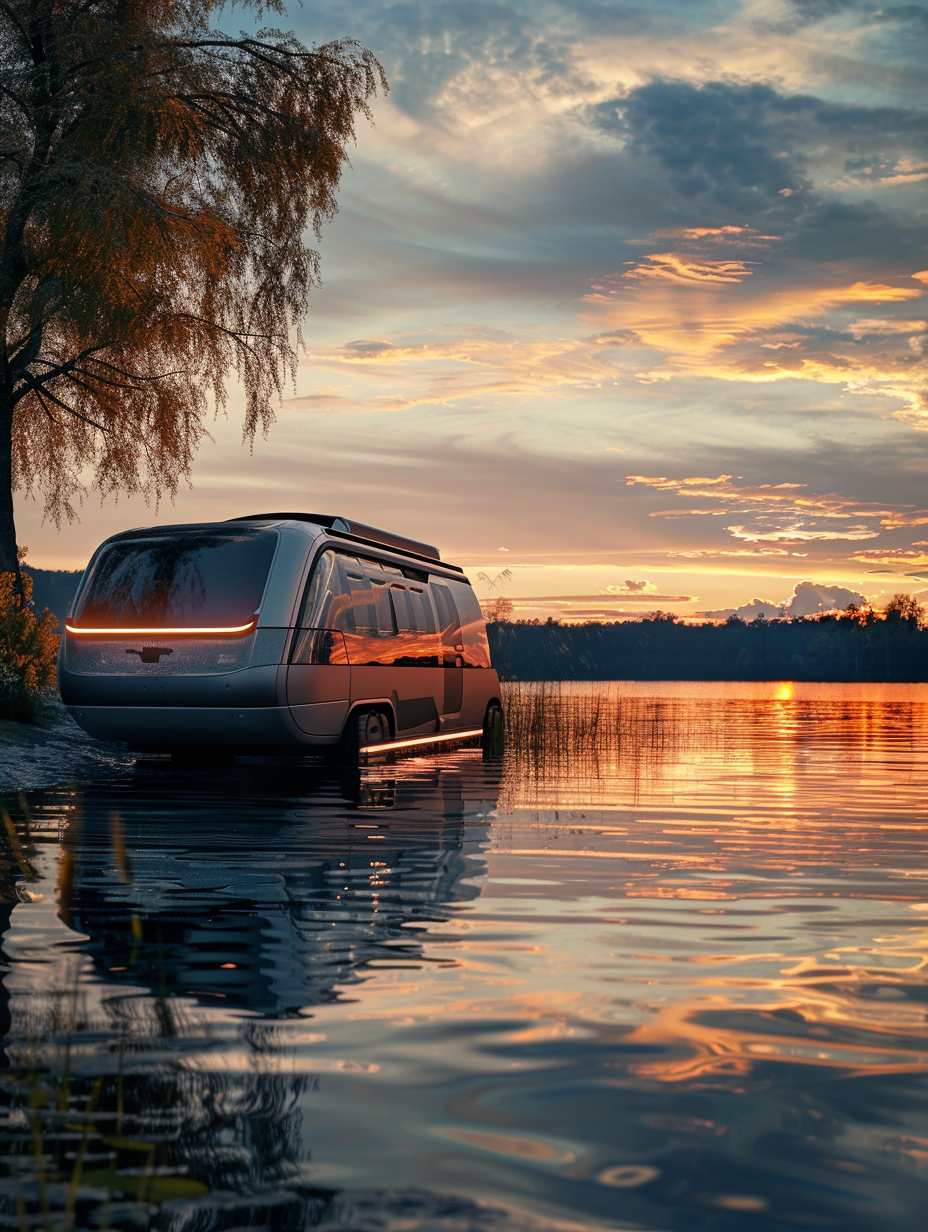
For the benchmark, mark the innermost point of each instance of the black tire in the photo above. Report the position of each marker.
(493, 740)
(364, 728)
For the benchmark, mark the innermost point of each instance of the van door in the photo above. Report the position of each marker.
(452, 648)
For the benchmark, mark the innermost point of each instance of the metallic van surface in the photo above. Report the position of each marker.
(160, 690)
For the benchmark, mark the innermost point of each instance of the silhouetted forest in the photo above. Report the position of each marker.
(852, 646)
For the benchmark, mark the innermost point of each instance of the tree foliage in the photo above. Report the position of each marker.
(28, 653)
(157, 178)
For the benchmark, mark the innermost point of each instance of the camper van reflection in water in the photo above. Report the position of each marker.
(276, 631)
(272, 913)
(217, 916)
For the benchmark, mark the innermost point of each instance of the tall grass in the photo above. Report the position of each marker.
(573, 733)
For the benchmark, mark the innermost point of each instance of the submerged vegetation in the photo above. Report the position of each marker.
(28, 653)
(856, 645)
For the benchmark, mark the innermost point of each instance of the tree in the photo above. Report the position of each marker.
(28, 653)
(156, 180)
(906, 608)
(496, 607)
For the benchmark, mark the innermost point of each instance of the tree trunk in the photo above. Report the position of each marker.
(9, 557)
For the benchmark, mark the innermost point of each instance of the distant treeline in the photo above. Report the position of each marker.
(854, 646)
(54, 589)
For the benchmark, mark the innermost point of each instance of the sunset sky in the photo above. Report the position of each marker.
(628, 298)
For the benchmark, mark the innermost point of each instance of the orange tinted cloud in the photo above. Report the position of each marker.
(739, 319)
(891, 556)
(783, 512)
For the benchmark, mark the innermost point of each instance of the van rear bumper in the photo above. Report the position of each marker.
(258, 727)
(251, 687)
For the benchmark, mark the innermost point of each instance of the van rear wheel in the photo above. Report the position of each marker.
(493, 738)
(363, 729)
(373, 728)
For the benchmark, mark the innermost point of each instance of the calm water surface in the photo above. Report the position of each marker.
(663, 967)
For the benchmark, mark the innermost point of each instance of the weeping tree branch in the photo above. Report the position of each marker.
(158, 178)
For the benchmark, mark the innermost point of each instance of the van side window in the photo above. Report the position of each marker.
(448, 623)
(422, 606)
(386, 625)
(323, 617)
(388, 618)
(325, 604)
(361, 601)
(417, 637)
(473, 625)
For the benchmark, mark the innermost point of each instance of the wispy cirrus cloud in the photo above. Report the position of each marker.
(686, 268)
(782, 513)
(892, 556)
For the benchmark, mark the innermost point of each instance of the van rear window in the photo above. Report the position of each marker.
(185, 579)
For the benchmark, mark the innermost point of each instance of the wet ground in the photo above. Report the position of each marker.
(662, 967)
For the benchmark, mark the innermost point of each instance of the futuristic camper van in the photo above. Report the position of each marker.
(277, 631)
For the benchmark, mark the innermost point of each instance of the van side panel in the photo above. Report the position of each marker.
(321, 718)
(410, 691)
(340, 626)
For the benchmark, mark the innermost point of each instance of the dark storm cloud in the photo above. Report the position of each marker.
(749, 148)
(810, 12)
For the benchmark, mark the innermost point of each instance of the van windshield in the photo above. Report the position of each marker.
(190, 579)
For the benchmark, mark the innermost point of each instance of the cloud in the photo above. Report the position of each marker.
(721, 553)
(800, 532)
(685, 268)
(885, 327)
(891, 556)
(778, 310)
(740, 144)
(783, 512)
(459, 65)
(650, 596)
(787, 330)
(807, 599)
(716, 139)
(631, 588)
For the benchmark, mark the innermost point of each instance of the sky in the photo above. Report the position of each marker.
(630, 299)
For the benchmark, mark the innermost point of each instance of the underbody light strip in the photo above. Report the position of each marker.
(390, 745)
(162, 632)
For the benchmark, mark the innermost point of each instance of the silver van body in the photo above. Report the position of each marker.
(273, 632)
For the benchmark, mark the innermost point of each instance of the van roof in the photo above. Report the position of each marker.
(359, 531)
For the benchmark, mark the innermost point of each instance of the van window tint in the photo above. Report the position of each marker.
(473, 625)
(185, 579)
(321, 602)
(417, 639)
(386, 618)
(386, 625)
(448, 623)
(424, 613)
(402, 610)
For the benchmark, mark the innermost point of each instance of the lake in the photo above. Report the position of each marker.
(664, 966)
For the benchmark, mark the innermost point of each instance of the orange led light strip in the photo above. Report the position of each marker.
(389, 745)
(163, 632)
